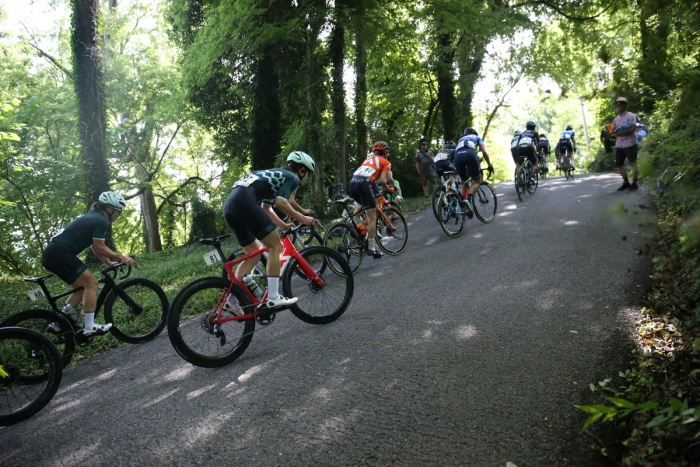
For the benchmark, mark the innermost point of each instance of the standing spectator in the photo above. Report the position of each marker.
(641, 131)
(624, 127)
(606, 137)
(425, 166)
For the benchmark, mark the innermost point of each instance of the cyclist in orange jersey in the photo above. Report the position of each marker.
(363, 187)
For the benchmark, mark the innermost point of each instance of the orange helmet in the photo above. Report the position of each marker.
(380, 147)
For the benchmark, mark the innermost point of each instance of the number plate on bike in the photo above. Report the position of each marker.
(212, 258)
(35, 294)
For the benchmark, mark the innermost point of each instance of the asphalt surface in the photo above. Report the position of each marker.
(467, 351)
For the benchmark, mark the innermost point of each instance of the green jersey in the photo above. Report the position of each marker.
(270, 184)
(80, 233)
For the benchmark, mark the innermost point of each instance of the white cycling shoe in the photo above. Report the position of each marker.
(97, 330)
(280, 302)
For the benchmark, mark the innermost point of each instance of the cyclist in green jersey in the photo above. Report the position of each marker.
(250, 221)
(61, 257)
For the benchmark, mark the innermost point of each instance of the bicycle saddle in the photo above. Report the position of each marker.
(37, 279)
(345, 201)
(213, 241)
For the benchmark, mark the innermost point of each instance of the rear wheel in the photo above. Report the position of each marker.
(143, 318)
(30, 373)
(485, 203)
(450, 211)
(192, 329)
(346, 240)
(436, 197)
(532, 183)
(520, 182)
(50, 324)
(392, 235)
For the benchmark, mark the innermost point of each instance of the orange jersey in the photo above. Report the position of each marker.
(373, 167)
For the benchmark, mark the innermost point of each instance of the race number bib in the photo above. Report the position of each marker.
(247, 180)
(525, 141)
(212, 258)
(471, 144)
(35, 294)
(565, 136)
(441, 156)
(514, 144)
(365, 171)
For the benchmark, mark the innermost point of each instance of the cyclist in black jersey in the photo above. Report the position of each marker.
(61, 257)
(250, 221)
(528, 145)
(444, 160)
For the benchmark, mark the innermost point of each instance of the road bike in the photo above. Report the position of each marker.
(565, 165)
(526, 179)
(542, 166)
(137, 309)
(212, 320)
(448, 180)
(350, 236)
(453, 211)
(30, 373)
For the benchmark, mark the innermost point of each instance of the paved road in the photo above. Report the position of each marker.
(467, 351)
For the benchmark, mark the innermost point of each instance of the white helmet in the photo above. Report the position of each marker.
(113, 199)
(302, 158)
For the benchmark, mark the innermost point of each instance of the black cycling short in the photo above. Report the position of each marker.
(629, 153)
(362, 190)
(528, 152)
(444, 166)
(467, 164)
(57, 259)
(566, 146)
(244, 216)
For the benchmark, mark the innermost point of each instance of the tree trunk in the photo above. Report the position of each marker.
(654, 69)
(87, 65)
(471, 56)
(337, 51)
(360, 90)
(446, 94)
(314, 115)
(267, 113)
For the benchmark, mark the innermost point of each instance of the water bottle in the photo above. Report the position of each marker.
(253, 286)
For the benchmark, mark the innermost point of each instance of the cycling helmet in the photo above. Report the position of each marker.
(470, 131)
(517, 133)
(530, 125)
(302, 158)
(569, 127)
(113, 199)
(449, 145)
(380, 147)
(542, 135)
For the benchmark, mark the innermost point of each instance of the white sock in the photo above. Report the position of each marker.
(273, 287)
(89, 320)
(371, 244)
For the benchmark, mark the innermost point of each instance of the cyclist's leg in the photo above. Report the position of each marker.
(460, 161)
(241, 210)
(473, 171)
(88, 281)
(533, 158)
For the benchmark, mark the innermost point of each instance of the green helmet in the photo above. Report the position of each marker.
(302, 158)
(113, 199)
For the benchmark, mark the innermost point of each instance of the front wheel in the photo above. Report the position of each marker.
(451, 213)
(30, 373)
(192, 327)
(51, 325)
(485, 203)
(319, 301)
(138, 316)
(346, 240)
(392, 231)
(440, 189)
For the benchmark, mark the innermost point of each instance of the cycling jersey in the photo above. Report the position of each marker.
(528, 138)
(567, 135)
(372, 168)
(80, 233)
(445, 155)
(270, 184)
(469, 142)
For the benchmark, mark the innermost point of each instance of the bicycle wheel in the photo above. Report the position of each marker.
(436, 197)
(50, 324)
(532, 182)
(520, 182)
(30, 373)
(143, 318)
(191, 328)
(303, 238)
(319, 304)
(347, 241)
(451, 217)
(392, 242)
(485, 203)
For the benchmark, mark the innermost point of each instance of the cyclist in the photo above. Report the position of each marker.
(61, 257)
(444, 160)
(468, 164)
(528, 145)
(568, 141)
(544, 149)
(251, 221)
(514, 147)
(363, 188)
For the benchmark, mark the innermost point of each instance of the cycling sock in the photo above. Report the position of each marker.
(371, 244)
(89, 320)
(273, 287)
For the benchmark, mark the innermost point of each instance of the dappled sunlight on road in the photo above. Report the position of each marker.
(199, 392)
(511, 206)
(571, 222)
(432, 240)
(160, 398)
(254, 370)
(179, 374)
(465, 332)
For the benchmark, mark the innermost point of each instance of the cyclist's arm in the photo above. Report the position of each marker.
(283, 205)
(386, 179)
(293, 202)
(483, 151)
(107, 255)
(275, 218)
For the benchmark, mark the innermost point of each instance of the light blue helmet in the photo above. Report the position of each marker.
(302, 158)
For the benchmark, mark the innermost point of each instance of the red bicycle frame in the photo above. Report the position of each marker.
(288, 251)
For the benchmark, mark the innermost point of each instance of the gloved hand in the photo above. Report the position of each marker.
(490, 169)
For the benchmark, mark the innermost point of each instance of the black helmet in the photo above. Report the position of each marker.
(530, 125)
(542, 135)
(470, 131)
(517, 133)
(449, 145)
(569, 127)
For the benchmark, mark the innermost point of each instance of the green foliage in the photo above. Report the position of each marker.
(203, 220)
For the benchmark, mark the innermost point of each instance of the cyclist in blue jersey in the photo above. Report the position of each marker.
(250, 221)
(567, 141)
(468, 164)
(61, 257)
(528, 145)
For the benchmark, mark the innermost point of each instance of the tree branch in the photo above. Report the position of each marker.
(55, 62)
(173, 193)
(559, 10)
(500, 103)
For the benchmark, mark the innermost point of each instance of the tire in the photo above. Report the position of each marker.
(485, 203)
(32, 371)
(451, 221)
(534, 180)
(39, 321)
(319, 305)
(520, 182)
(302, 236)
(346, 240)
(392, 242)
(436, 197)
(190, 326)
(142, 323)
